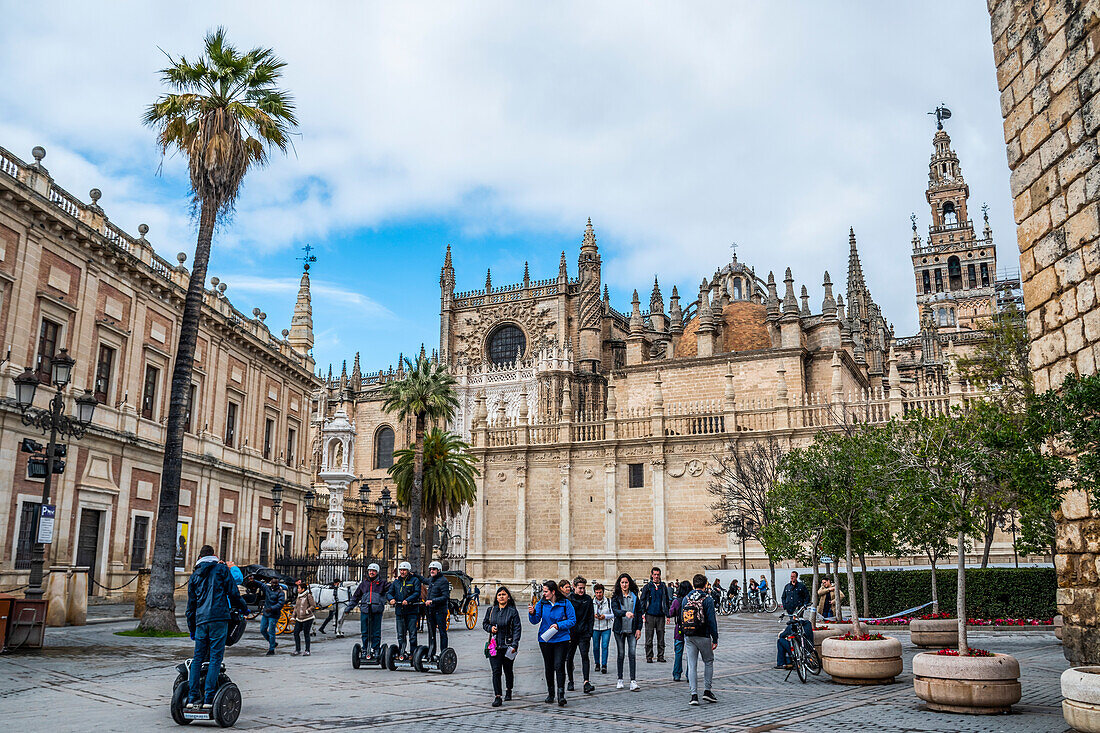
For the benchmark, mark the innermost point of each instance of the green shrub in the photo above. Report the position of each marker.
(991, 593)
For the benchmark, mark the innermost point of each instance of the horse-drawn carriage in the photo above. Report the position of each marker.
(462, 601)
(256, 580)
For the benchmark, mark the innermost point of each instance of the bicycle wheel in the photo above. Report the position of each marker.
(770, 605)
(809, 653)
(797, 658)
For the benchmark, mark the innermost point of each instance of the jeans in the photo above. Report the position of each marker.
(500, 663)
(677, 659)
(299, 628)
(437, 619)
(600, 641)
(580, 642)
(783, 647)
(694, 647)
(209, 647)
(267, 630)
(553, 662)
(406, 628)
(654, 624)
(626, 644)
(370, 631)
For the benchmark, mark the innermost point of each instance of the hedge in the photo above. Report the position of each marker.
(991, 593)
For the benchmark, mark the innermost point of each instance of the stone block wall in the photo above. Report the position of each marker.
(1047, 54)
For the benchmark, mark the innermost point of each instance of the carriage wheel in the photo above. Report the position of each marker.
(448, 660)
(283, 624)
(471, 614)
(447, 623)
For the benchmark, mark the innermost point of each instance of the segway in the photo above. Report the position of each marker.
(362, 656)
(415, 659)
(226, 706)
(444, 662)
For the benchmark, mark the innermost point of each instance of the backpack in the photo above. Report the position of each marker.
(693, 616)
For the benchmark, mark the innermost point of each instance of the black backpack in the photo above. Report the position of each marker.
(693, 616)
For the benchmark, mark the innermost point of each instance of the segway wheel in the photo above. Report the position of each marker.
(356, 656)
(179, 699)
(420, 659)
(448, 660)
(391, 657)
(227, 705)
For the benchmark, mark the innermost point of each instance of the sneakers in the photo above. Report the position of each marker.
(339, 634)
(619, 685)
(694, 700)
(569, 685)
(497, 702)
(306, 654)
(295, 654)
(633, 686)
(270, 653)
(589, 688)
(709, 696)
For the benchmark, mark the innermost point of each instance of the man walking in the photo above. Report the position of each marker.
(210, 593)
(274, 600)
(699, 625)
(336, 611)
(580, 637)
(655, 601)
(371, 597)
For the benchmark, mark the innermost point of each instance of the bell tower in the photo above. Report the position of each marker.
(955, 270)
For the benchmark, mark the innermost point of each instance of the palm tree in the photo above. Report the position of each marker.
(224, 115)
(449, 476)
(426, 393)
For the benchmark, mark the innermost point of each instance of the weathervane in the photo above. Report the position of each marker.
(307, 257)
(942, 113)
(985, 211)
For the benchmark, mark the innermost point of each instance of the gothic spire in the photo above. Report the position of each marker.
(656, 301)
(676, 315)
(855, 268)
(588, 244)
(637, 326)
(772, 301)
(300, 337)
(805, 312)
(790, 303)
(488, 279)
(828, 304)
(526, 275)
(563, 272)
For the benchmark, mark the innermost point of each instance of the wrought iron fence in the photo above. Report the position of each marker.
(315, 569)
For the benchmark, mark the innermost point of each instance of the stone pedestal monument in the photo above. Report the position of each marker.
(337, 470)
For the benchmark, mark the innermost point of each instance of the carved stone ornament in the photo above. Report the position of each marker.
(695, 467)
(588, 473)
(501, 476)
(537, 321)
(677, 472)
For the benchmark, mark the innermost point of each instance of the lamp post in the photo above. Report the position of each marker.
(386, 508)
(56, 423)
(276, 507)
(744, 528)
(309, 498)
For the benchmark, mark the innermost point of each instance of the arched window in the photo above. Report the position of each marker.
(506, 342)
(971, 277)
(383, 447)
(943, 316)
(950, 218)
(737, 288)
(954, 273)
(927, 282)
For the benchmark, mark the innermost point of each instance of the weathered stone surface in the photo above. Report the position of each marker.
(934, 633)
(973, 685)
(1081, 690)
(862, 662)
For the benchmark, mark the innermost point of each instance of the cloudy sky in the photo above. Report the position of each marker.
(500, 127)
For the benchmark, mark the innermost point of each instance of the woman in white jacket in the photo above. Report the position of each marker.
(601, 626)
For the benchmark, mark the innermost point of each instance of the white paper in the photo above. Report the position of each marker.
(549, 634)
(510, 652)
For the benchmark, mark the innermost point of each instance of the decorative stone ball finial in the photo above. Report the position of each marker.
(181, 257)
(285, 333)
(214, 281)
(222, 287)
(38, 153)
(262, 316)
(255, 312)
(95, 194)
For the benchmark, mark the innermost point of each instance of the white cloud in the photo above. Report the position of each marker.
(319, 290)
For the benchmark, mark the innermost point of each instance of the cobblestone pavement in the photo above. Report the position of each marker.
(88, 679)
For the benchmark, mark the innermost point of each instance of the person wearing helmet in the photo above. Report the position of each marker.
(439, 593)
(404, 596)
(370, 595)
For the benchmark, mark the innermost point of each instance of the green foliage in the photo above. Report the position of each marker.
(449, 474)
(152, 633)
(1074, 415)
(426, 392)
(1000, 362)
(990, 593)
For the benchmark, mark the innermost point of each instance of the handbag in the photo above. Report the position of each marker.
(491, 638)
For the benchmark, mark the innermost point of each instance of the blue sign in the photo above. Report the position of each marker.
(45, 523)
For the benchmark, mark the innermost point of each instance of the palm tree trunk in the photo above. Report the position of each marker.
(863, 582)
(417, 498)
(857, 627)
(960, 602)
(160, 602)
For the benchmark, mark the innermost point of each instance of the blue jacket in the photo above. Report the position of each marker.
(656, 597)
(439, 592)
(405, 589)
(547, 614)
(274, 600)
(210, 591)
(795, 596)
(371, 596)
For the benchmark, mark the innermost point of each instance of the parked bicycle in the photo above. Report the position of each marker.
(801, 653)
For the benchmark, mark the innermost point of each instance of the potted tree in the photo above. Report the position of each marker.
(921, 530)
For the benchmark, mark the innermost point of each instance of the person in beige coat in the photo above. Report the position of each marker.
(826, 599)
(302, 616)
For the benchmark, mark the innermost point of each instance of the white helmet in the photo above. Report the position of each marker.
(405, 566)
(435, 565)
(373, 566)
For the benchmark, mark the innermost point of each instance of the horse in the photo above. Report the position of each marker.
(335, 600)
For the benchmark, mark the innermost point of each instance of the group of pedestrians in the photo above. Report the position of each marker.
(570, 621)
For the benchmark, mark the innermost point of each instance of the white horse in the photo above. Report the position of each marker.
(326, 596)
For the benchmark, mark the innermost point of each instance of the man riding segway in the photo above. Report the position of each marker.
(439, 593)
(404, 596)
(212, 597)
(370, 595)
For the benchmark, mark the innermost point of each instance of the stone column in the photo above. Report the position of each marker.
(612, 525)
(521, 523)
(564, 533)
(78, 596)
(142, 590)
(57, 595)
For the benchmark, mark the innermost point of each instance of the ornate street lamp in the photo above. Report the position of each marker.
(386, 508)
(52, 421)
(744, 527)
(276, 507)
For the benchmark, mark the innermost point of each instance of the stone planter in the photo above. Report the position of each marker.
(1059, 622)
(971, 685)
(1081, 706)
(820, 635)
(862, 662)
(939, 633)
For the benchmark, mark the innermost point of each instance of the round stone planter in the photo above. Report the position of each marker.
(1059, 622)
(971, 685)
(939, 633)
(1081, 706)
(862, 662)
(820, 635)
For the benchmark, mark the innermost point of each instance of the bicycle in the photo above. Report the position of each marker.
(802, 653)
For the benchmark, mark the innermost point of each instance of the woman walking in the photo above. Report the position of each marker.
(503, 626)
(627, 627)
(678, 633)
(602, 619)
(555, 617)
(302, 616)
